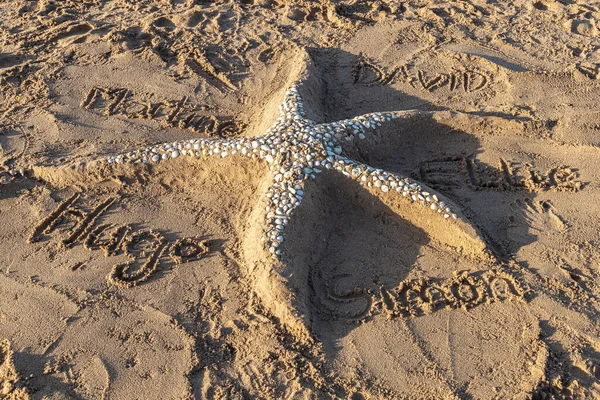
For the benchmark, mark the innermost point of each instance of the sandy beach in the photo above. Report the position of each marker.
(299, 199)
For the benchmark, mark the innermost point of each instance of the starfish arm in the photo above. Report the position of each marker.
(387, 181)
(359, 125)
(283, 197)
(201, 147)
(291, 112)
(292, 106)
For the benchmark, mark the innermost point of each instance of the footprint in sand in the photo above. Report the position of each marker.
(73, 34)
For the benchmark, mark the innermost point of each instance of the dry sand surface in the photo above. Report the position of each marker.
(149, 280)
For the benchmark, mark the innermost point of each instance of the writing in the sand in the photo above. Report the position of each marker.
(418, 297)
(508, 175)
(464, 290)
(181, 113)
(368, 73)
(144, 247)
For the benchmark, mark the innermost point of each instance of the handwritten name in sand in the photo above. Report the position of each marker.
(143, 247)
(464, 290)
(468, 80)
(418, 297)
(171, 113)
(509, 175)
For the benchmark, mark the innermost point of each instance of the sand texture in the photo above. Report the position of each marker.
(168, 276)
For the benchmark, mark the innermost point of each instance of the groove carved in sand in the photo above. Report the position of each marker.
(172, 113)
(509, 175)
(417, 297)
(368, 73)
(464, 290)
(144, 248)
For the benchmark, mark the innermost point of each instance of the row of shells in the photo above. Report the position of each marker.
(287, 193)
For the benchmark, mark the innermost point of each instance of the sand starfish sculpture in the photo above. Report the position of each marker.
(297, 149)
